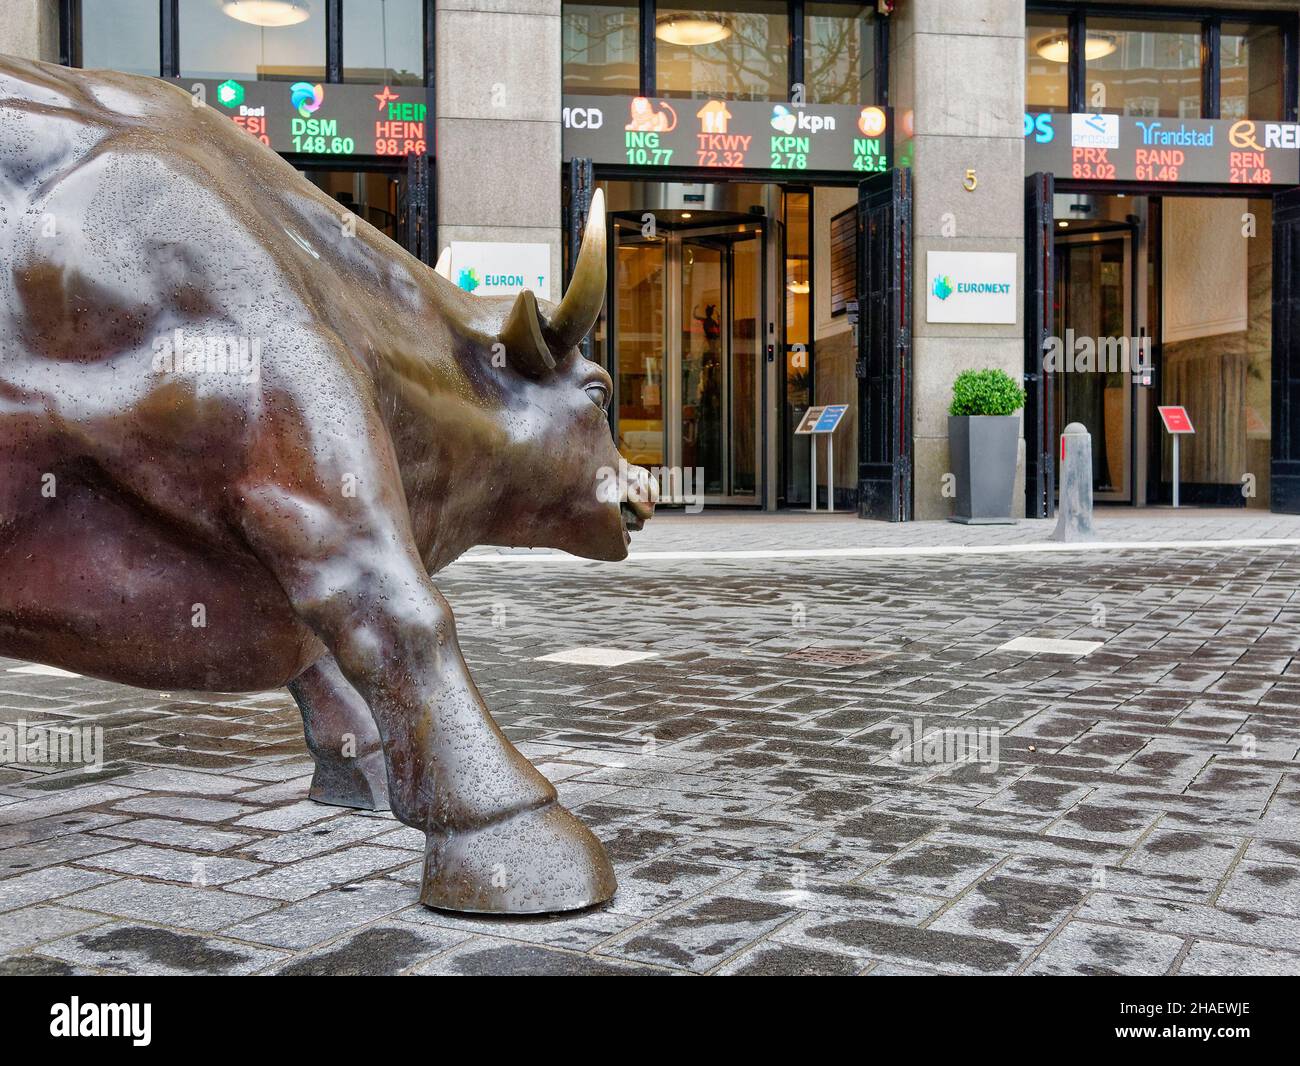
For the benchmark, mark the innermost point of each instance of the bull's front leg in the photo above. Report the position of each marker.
(497, 840)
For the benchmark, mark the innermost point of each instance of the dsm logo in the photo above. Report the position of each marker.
(942, 286)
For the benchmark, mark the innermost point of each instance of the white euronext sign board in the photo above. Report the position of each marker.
(493, 268)
(970, 287)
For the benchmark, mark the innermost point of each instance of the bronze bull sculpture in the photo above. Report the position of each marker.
(175, 513)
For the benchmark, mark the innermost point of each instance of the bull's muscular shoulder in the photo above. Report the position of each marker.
(132, 212)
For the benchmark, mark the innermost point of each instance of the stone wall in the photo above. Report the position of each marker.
(498, 122)
(959, 69)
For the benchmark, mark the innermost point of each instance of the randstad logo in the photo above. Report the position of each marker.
(306, 98)
(942, 287)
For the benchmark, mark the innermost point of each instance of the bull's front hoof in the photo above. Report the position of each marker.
(539, 861)
(361, 783)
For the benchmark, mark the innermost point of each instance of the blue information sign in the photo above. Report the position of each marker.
(830, 418)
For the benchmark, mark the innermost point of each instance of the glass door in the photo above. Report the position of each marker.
(1093, 324)
(686, 355)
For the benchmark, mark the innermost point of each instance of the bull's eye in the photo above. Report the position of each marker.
(599, 395)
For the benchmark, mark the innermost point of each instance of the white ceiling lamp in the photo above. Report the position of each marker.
(1056, 48)
(692, 30)
(268, 12)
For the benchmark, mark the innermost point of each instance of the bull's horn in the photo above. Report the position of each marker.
(522, 335)
(443, 265)
(583, 299)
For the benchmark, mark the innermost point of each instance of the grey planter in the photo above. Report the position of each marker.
(983, 451)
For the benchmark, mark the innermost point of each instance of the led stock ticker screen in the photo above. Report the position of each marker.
(717, 133)
(325, 119)
(1169, 150)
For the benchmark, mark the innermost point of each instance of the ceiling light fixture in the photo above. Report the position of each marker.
(1056, 48)
(692, 30)
(268, 12)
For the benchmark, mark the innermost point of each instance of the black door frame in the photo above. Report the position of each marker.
(1284, 468)
(884, 362)
(1040, 281)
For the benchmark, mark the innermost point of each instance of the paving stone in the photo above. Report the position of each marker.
(41, 886)
(23, 929)
(1085, 877)
(1010, 909)
(1088, 949)
(325, 916)
(700, 935)
(191, 808)
(177, 834)
(786, 960)
(829, 897)
(577, 932)
(305, 878)
(53, 851)
(1187, 919)
(1207, 958)
(322, 837)
(906, 944)
(936, 869)
(126, 948)
(166, 864)
(289, 816)
(190, 907)
(1259, 887)
(487, 956)
(382, 950)
(1183, 852)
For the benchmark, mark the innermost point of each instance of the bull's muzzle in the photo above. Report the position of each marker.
(642, 494)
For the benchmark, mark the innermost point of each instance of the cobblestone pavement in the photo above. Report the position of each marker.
(1142, 815)
(741, 531)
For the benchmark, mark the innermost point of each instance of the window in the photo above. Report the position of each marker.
(214, 44)
(601, 48)
(737, 49)
(1250, 71)
(120, 35)
(839, 54)
(1143, 67)
(1047, 63)
(383, 41)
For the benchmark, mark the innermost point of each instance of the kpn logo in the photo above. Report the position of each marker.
(942, 286)
(230, 93)
(786, 121)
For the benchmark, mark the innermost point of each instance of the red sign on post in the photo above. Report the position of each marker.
(1175, 419)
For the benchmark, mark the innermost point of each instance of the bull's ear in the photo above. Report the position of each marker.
(443, 266)
(525, 346)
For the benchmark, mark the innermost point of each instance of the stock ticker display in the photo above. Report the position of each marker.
(1091, 147)
(716, 133)
(327, 119)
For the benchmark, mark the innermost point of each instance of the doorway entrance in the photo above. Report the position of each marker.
(686, 327)
(1094, 312)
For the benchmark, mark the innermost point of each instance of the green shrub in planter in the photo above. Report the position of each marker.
(986, 392)
(983, 440)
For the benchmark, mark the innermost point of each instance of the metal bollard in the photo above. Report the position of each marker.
(1074, 514)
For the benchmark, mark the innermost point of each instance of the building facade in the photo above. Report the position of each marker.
(819, 205)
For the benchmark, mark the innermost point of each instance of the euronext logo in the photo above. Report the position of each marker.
(942, 286)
